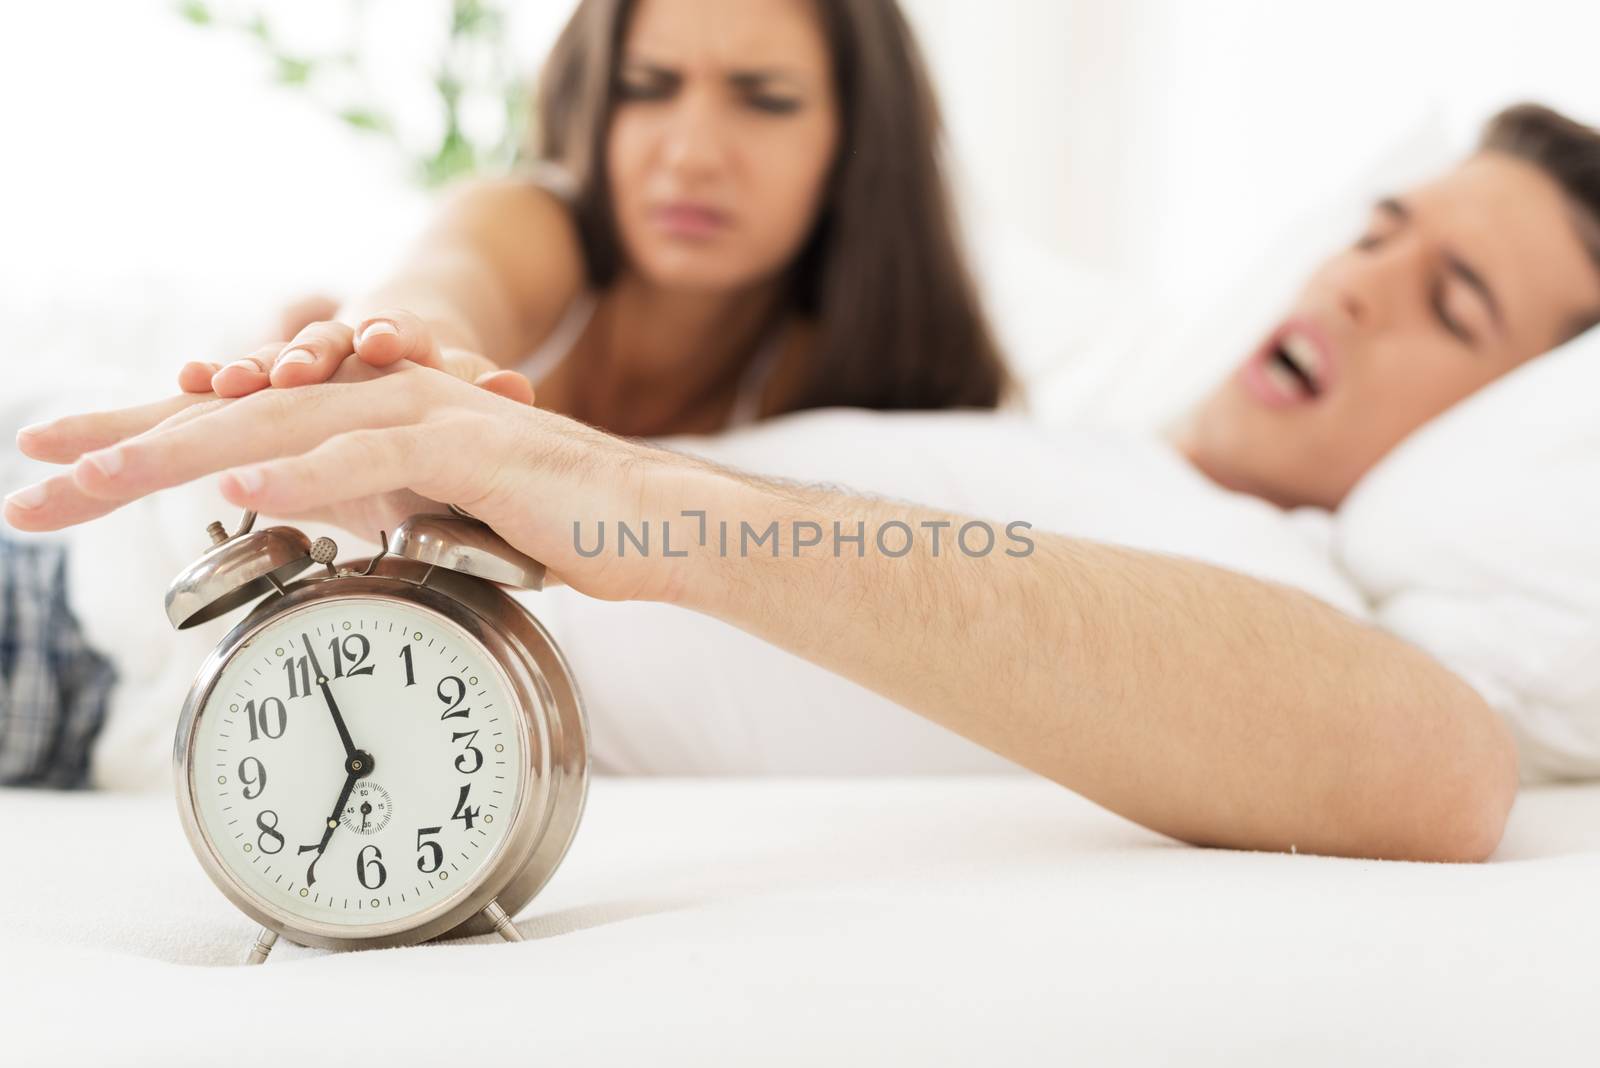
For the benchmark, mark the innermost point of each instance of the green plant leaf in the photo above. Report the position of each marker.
(454, 158)
(363, 119)
(472, 16)
(476, 33)
(196, 12)
(292, 71)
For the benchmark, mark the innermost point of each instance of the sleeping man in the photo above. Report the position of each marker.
(1151, 624)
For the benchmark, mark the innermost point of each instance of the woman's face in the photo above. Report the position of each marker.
(723, 136)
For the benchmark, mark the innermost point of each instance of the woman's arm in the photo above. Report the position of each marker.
(1210, 706)
(480, 288)
(492, 274)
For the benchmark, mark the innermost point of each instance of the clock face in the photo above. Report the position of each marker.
(358, 761)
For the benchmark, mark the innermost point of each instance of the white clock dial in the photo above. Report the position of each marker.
(358, 761)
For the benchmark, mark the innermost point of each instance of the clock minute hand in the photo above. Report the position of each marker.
(327, 695)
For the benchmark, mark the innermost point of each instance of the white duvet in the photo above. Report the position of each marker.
(1506, 594)
(1478, 540)
(864, 921)
(674, 692)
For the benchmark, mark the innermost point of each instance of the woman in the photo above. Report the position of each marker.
(754, 222)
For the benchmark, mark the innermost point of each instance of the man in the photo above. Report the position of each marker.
(1128, 677)
(1451, 286)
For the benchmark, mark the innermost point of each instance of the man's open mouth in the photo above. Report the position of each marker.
(1292, 367)
(1295, 361)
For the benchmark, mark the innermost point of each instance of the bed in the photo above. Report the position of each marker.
(801, 918)
(913, 920)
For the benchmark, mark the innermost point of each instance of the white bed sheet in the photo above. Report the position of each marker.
(923, 920)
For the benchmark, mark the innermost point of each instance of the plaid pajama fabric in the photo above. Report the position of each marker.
(54, 689)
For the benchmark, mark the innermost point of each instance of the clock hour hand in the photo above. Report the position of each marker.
(332, 825)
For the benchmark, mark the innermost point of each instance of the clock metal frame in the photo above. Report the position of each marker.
(551, 722)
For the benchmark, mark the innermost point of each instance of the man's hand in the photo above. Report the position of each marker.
(369, 449)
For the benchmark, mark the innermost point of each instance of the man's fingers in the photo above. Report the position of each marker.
(314, 355)
(52, 504)
(270, 423)
(350, 466)
(396, 335)
(247, 374)
(63, 440)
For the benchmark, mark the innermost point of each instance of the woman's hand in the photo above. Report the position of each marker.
(320, 348)
(364, 454)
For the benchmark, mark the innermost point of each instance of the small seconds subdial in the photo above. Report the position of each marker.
(369, 808)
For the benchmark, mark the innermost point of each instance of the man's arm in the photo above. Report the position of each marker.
(1210, 706)
(1213, 707)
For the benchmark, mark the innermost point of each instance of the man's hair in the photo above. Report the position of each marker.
(1566, 150)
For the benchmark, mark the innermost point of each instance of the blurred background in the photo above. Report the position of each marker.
(173, 169)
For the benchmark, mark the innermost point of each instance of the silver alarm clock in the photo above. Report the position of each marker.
(382, 753)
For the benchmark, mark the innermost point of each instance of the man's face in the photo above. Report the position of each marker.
(1452, 285)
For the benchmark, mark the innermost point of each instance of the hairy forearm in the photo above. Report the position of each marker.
(1202, 703)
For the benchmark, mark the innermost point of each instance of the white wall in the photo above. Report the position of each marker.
(1160, 140)
(1167, 139)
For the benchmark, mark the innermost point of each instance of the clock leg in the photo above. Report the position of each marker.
(502, 923)
(265, 940)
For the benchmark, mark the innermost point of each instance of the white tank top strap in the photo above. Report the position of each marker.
(753, 383)
(554, 348)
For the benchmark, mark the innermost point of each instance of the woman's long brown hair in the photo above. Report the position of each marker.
(882, 274)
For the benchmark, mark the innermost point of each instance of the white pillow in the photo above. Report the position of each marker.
(1478, 539)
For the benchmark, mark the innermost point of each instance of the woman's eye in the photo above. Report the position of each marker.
(776, 105)
(644, 89)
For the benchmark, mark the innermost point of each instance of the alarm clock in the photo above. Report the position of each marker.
(380, 753)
